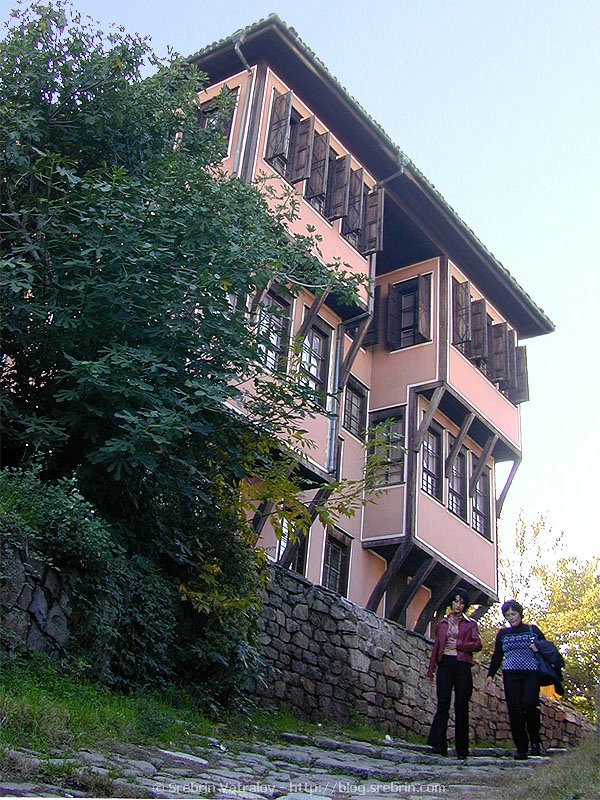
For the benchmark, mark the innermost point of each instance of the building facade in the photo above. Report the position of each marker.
(434, 350)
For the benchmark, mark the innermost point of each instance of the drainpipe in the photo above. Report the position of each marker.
(402, 162)
(334, 419)
(245, 107)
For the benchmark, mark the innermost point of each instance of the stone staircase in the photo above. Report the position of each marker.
(292, 768)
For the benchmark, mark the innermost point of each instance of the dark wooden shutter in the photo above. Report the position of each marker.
(301, 159)
(424, 318)
(319, 166)
(201, 116)
(352, 222)
(372, 334)
(461, 313)
(340, 191)
(498, 365)
(479, 330)
(373, 234)
(392, 330)
(520, 393)
(511, 361)
(279, 127)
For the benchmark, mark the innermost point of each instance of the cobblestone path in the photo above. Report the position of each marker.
(293, 768)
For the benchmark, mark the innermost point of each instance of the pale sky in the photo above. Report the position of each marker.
(497, 102)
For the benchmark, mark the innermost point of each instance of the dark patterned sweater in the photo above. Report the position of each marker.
(512, 646)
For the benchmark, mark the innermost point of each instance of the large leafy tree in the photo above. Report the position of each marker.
(561, 595)
(127, 257)
(571, 602)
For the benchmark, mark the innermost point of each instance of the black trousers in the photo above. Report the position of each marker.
(452, 674)
(522, 692)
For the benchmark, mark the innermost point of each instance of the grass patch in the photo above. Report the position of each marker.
(573, 776)
(42, 708)
(270, 724)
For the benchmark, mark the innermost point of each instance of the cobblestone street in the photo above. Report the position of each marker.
(294, 768)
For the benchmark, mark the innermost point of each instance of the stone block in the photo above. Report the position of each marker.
(359, 661)
(318, 605)
(38, 607)
(368, 682)
(324, 690)
(394, 689)
(12, 584)
(53, 584)
(300, 640)
(292, 626)
(57, 625)
(15, 624)
(300, 611)
(284, 636)
(391, 668)
(338, 612)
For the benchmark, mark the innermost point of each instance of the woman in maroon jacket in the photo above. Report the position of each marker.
(456, 639)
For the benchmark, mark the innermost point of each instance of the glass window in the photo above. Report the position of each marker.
(480, 517)
(355, 408)
(298, 563)
(337, 562)
(273, 331)
(392, 443)
(457, 483)
(431, 481)
(315, 361)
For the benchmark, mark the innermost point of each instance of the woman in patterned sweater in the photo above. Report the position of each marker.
(515, 645)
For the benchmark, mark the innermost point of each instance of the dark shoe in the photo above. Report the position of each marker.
(521, 757)
(439, 749)
(462, 756)
(536, 749)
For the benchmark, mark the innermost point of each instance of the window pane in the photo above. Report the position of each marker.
(481, 506)
(298, 563)
(314, 361)
(431, 481)
(457, 485)
(273, 329)
(355, 408)
(335, 566)
(392, 446)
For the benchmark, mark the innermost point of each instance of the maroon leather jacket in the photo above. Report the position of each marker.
(468, 642)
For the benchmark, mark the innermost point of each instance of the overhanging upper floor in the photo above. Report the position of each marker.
(418, 223)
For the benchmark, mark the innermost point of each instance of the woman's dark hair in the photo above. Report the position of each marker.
(514, 605)
(460, 592)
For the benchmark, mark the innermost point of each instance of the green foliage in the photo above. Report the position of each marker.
(561, 596)
(42, 706)
(571, 602)
(123, 622)
(122, 246)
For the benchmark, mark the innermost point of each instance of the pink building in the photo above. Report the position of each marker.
(437, 349)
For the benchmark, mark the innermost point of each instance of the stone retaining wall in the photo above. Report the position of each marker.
(325, 657)
(329, 659)
(35, 608)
